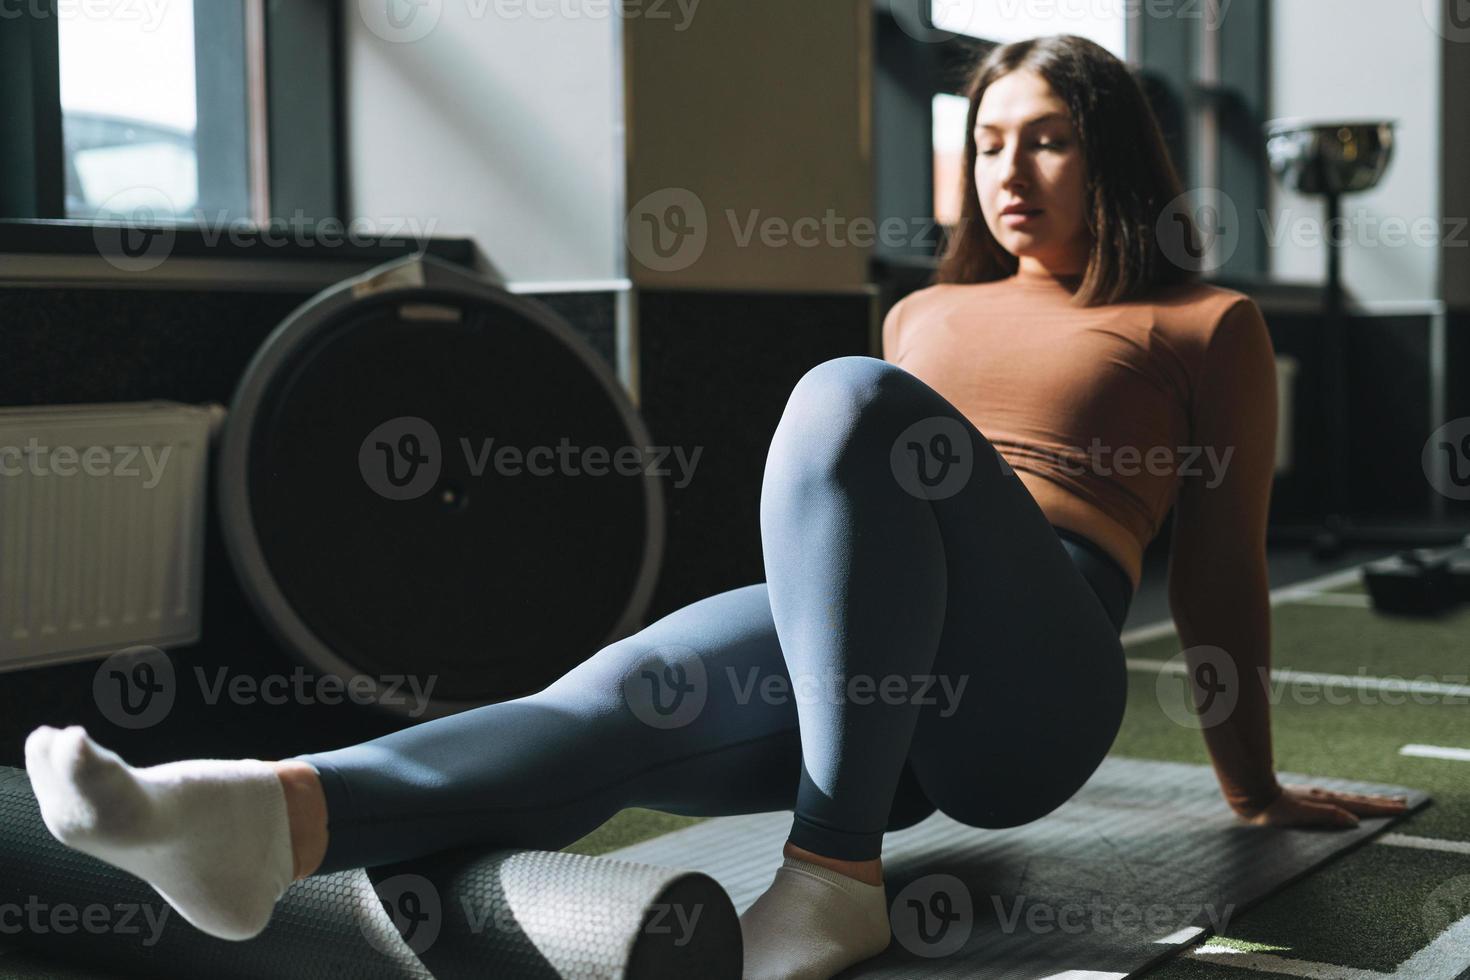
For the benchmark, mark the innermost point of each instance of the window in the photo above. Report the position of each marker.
(1004, 21)
(218, 113)
(950, 112)
(128, 107)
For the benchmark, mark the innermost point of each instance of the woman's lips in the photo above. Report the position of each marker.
(1020, 217)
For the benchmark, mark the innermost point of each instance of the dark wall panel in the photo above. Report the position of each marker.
(717, 369)
(1387, 418)
(1457, 374)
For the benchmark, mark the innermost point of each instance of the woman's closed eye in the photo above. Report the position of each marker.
(1049, 145)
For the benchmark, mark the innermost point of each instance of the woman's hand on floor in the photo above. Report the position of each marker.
(1311, 806)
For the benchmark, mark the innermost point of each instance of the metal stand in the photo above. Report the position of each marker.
(1331, 158)
(1338, 529)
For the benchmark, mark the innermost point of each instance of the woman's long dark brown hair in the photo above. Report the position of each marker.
(1130, 178)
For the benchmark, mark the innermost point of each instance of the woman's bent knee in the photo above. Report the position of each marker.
(845, 406)
(855, 380)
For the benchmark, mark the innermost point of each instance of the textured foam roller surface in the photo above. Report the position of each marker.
(504, 913)
(538, 914)
(1144, 860)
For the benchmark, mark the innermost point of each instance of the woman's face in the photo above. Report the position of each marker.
(1027, 157)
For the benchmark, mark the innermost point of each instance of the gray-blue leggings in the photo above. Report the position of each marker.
(924, 639)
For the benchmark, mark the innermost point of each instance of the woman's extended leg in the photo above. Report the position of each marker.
(691, 715)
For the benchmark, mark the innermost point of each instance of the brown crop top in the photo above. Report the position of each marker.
(1112, 414)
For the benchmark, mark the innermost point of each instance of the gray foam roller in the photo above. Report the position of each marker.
(539, 914)
(502, 913)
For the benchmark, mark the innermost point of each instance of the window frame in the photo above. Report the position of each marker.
(289, 54)
(32, 155)
(1221, 80)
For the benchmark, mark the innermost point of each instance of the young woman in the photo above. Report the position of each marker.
(939, 628)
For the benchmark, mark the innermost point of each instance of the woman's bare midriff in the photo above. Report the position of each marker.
(1075, 514)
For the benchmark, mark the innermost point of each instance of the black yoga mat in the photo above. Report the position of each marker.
(1145, 860)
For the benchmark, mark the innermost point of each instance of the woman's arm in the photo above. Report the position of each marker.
(891, 328)
(1218, 587)
(1218, 584)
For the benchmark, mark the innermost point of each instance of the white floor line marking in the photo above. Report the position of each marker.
(1443, 959)
(1353, 599)
(1437, 752)
(1143, 634)
(1268, 963)
(1296, 592)
(1316, 586)
(1424, 843)
(1360, 682)
(1178, 938)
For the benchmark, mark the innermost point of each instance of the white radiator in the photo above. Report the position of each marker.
(101, 528)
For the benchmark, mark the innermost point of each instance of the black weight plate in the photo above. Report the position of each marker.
(491, 575)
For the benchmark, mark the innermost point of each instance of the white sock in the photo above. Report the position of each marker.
(210, 835)
(813, 923)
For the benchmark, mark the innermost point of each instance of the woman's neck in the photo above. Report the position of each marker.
(1036, 274)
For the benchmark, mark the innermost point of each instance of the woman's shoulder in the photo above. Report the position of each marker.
(936, 293)
(1204, 297)
(1199, 309)
(913, 306)
(1212, 327)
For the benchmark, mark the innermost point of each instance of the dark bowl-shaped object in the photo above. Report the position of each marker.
(1322, 157)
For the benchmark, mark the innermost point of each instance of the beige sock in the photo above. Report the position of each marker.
(813, 923)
